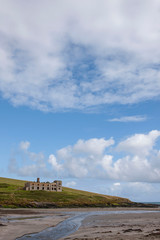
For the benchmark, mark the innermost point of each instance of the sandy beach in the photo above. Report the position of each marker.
(18, 222)
(24, 221)
(119, 227)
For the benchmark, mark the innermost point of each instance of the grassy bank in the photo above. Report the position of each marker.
(13, 195)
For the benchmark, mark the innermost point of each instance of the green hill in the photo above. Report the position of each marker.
(13, 195)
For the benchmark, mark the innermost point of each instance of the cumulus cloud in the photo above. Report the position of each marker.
(58, 55)
(53, 161)
(142, 162)
(139, 144)
(135, 191)
(80, 159)
(129, 119)
(140, 159)
(26, 163)
(92, 146)
(24, 145)
(71, 184)
(116, 184)
(97, 158)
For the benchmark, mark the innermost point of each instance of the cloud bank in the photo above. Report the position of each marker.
(96, 158)
(137, 191)
(129, 119)
(62, 55)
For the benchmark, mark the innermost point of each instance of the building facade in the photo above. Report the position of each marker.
(55, 186)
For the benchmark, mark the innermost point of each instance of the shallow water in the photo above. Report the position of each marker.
(70, 225)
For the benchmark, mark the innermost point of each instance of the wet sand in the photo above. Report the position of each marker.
(25, 221)
(110, 226)
(119, 227)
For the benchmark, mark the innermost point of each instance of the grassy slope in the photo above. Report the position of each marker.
(13, 195)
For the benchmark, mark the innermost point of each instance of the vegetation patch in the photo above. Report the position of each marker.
(13, 195)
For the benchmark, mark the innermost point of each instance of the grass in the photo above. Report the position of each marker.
(13, 195)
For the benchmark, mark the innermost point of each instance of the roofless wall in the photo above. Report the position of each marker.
(55, 186)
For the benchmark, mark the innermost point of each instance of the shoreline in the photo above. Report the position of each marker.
(27, 221)
(119, 226)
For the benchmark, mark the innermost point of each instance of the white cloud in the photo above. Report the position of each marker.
(142, 162)
(139, 144)
(53, 161)
(117, 184)
(132, 169)
(24, 145)
(135, 191)
(129, 119)
(71, 184)
(79, 159)
(25, 163)
(92, 146)
(97, 159)
(58, 55)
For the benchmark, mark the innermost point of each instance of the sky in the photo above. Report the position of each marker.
(80, 94)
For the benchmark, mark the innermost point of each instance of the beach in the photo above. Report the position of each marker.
(97, 223)
(119, 227)
(24, 221)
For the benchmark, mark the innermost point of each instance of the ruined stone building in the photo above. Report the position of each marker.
(55, 186)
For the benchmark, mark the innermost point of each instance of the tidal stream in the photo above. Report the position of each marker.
(69, 225)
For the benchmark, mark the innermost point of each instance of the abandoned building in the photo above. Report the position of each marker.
(55, 186)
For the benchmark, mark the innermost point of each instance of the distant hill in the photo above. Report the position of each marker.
(13, 195)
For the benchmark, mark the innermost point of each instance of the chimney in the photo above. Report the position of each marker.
(38, 179)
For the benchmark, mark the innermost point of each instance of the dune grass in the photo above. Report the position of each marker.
(13, 195)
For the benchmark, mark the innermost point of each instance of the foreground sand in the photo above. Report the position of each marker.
(112, 226)
(119, 227)
(26, 221)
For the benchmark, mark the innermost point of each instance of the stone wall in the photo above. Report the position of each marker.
(55, 186)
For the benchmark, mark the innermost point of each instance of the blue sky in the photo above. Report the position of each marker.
(80, 94)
